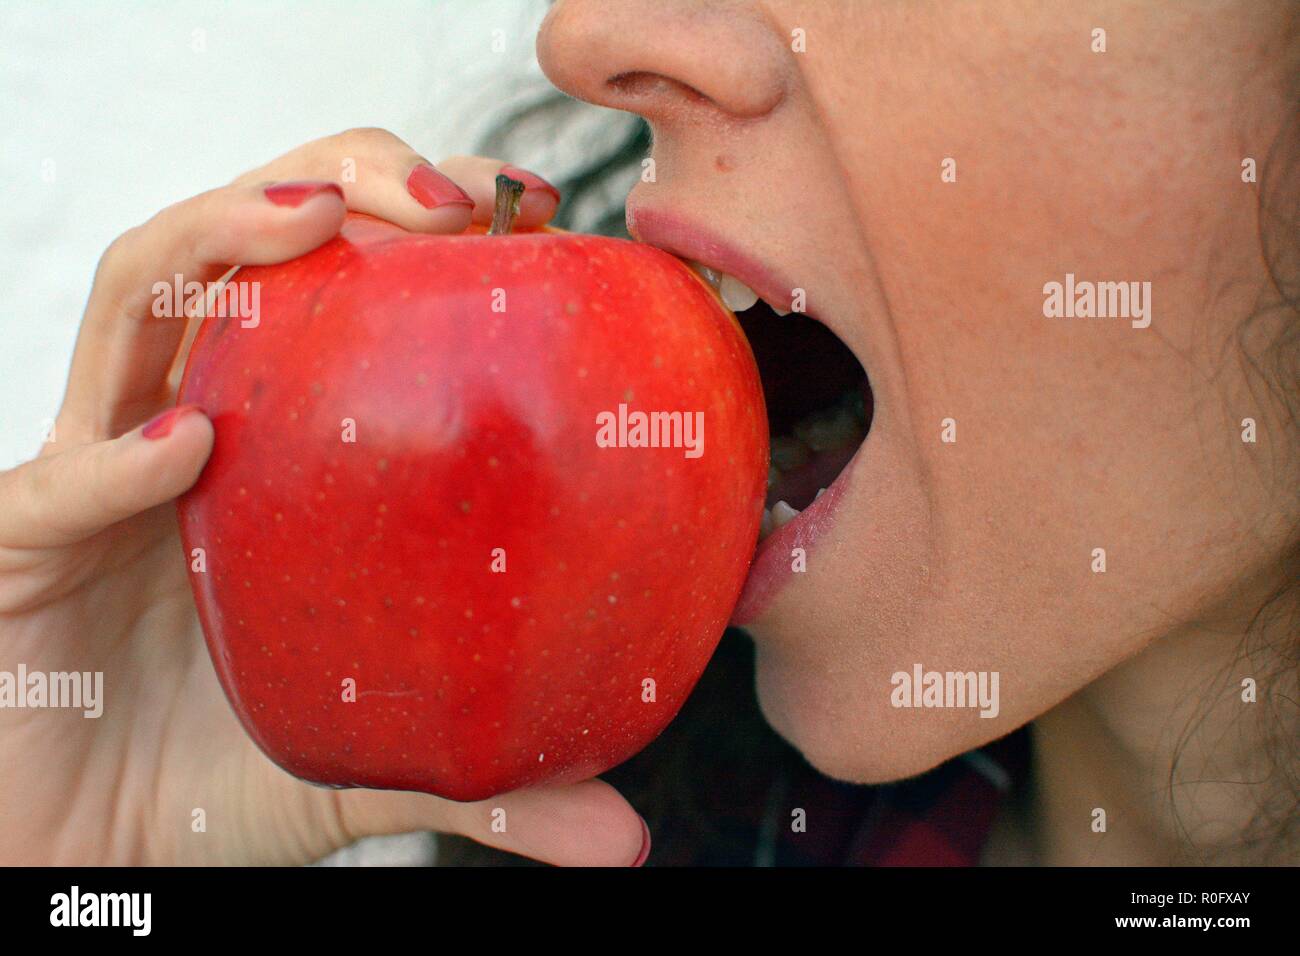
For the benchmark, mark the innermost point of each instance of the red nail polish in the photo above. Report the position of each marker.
(645, 830)
(297, 193)
(531, 181)
(162, 425)
(432, 190)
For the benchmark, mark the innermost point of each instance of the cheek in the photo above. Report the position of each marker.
(1073, 436)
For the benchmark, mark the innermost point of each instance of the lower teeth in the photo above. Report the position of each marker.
(827, 430)
(782, 513)
(788, 453)
(775, 518)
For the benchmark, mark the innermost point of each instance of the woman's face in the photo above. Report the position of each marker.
(922, 170)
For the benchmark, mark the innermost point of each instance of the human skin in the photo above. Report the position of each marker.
(1072, 434)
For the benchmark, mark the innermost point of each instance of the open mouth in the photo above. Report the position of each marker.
(819, 400)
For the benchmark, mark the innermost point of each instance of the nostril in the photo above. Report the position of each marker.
(642, 84)
(687, 54)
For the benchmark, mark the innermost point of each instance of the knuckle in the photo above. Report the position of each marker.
(368, 139)
(164, 228)
(33, 487)
(183, 230)
(166, 218)
(120, 251)
(364, 148)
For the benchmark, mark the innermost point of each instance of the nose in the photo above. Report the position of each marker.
(668, 60)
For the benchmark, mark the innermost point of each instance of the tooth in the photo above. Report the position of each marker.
(773, 476)
(710, 276)
(788, 452)
(824, 431)
(765, 524)
(736, 294)
(782, 514)
(820, 492)
(781, 312)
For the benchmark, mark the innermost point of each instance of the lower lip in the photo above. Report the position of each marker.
(771, 569)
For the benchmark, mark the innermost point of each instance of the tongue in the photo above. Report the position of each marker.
(799, 486)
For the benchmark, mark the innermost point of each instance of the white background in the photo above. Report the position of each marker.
(110, 111)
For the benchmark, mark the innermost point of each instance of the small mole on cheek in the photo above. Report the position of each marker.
(724, 163)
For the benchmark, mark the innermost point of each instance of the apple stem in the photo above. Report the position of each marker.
(509, 192)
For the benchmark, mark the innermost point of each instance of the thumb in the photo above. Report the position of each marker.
(583, 824)
(69, 496)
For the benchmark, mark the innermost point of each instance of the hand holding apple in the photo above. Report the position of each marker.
(91, 577)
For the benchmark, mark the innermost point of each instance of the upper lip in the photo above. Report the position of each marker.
(688, 240)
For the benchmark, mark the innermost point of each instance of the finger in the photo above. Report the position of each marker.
(124, 349)
(477, 176)
(382, 176)
(69, 496)
(585, 824)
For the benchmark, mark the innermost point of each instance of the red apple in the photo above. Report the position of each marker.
(419, 567)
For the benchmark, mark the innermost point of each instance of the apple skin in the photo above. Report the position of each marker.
(372, 560)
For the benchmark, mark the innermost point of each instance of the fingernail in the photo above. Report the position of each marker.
(297, 193)
(431, 189)
(531, 181)
(162, 425)
(645, 830)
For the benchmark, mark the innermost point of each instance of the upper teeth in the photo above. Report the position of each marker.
(737, 296)
(710, 276)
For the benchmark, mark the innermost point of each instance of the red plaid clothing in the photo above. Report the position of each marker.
(941, 818)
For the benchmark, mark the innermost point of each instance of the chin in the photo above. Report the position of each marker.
(846, 738)
(834, 733)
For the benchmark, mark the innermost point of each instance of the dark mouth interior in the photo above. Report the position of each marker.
(819, 402)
